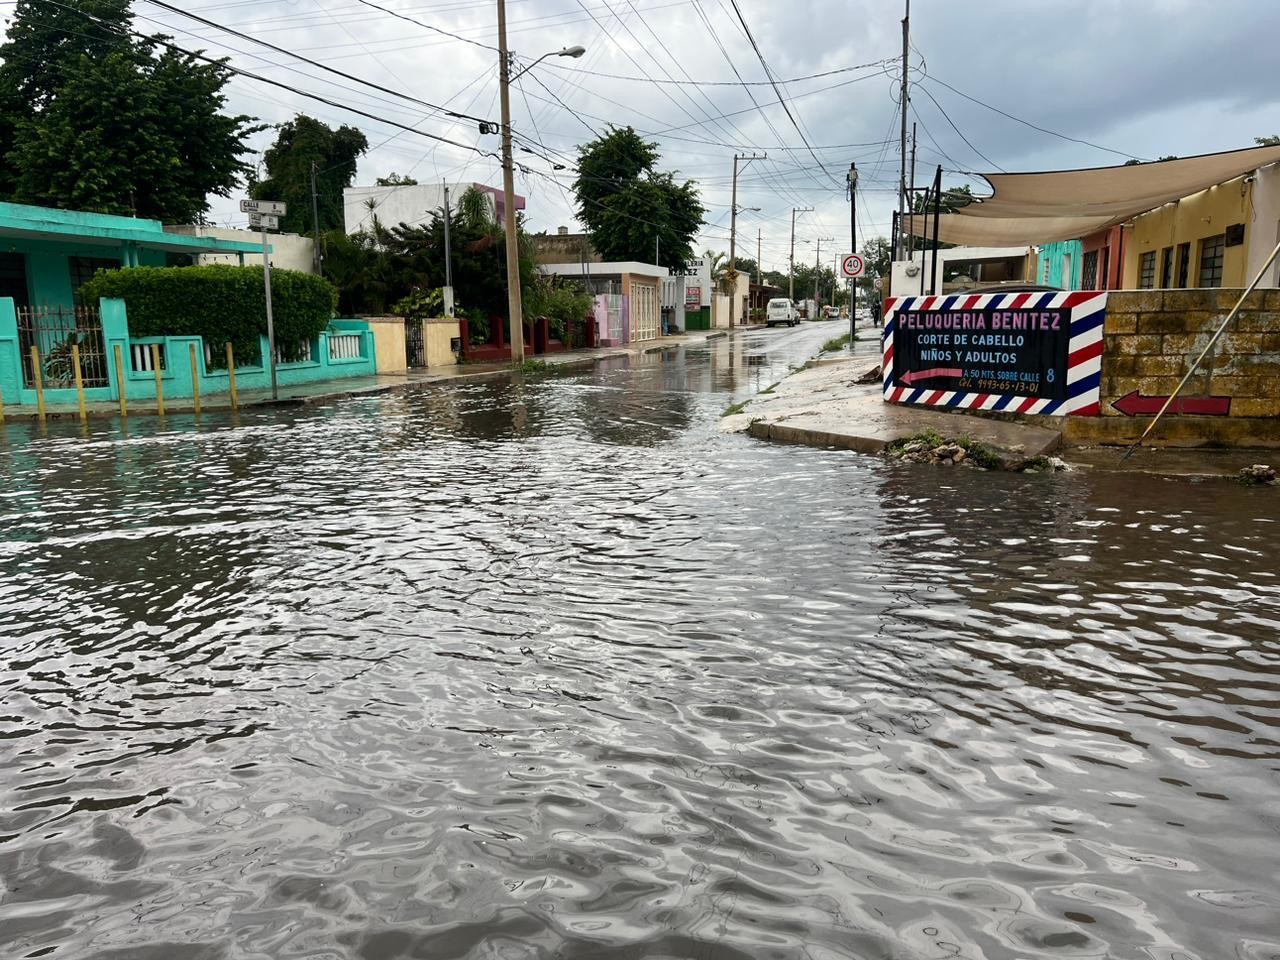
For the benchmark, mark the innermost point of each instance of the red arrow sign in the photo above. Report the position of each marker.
(912, 376)
(1134, 404)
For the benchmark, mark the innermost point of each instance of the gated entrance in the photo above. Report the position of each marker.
(415, 347)
(54, 331)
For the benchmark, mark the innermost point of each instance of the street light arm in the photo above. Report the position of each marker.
(574, 51)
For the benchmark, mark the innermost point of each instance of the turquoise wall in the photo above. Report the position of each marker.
(1055, 255)
(49, 267)
(177, 380)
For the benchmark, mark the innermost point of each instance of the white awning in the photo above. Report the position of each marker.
(1069, 204)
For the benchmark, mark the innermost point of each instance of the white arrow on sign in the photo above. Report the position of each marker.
(852, 265)
(267, 221)
(276, 208)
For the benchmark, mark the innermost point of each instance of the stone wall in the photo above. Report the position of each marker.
(1151, 338)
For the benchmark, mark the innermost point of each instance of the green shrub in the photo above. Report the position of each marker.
(221, 303)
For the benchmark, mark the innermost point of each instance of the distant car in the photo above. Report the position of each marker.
(781, 310)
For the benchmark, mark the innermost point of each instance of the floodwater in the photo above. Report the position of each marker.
(554, 669)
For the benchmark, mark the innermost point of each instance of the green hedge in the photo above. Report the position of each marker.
(220, 302)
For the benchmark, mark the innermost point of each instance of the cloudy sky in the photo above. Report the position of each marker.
(1110, 79)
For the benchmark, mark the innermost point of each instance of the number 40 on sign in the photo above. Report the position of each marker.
(852, 266)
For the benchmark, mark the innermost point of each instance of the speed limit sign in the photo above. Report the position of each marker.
(852, 266)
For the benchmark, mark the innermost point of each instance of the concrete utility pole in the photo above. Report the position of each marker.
(911, 198)
(733, 225)
(448, 257)
(315, 220)
(817, 269)
(791, 269)
(514, 307)
(852, 179)
(759, 264)
(906, 102)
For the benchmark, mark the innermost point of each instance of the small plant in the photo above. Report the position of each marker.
(771, 388)
(734, 409)
(420, 304)
(534, 366)
(836, 344)
(981, 454)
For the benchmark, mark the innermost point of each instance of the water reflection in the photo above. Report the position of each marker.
(552, 668)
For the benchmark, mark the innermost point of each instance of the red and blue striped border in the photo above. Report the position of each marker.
(1084, 358)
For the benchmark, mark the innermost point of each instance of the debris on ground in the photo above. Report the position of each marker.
(930, 447)
(1260, 473)
(874, 375)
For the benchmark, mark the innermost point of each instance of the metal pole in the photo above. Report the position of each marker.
(791, 263)
(924, 242)
(271, 324)
(37, 381)
(124, 403)
(79, 379)
(155, 369)
(315, 219)
(759, 262)
(195, 377)
(231, 375)
(514, 307)
(448, 256)
(1203, 353)
(853, 240)
(902, 178)
(937, 216)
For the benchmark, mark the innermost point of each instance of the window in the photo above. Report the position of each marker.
(1211, 251)
(1166, 268)
(83, 269)
(1147, 270)
(1106, 269)
(1184, 263)
(1089, 268)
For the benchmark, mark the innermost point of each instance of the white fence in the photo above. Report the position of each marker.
(344, 346)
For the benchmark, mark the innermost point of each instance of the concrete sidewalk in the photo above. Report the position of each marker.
(825, 405)
(327, 391)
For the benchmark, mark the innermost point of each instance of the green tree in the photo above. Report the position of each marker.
(395, 180)
(953, 198)
(300, 144)
(97, 119)
(627, 204)
(1267, 141)
(878, 255)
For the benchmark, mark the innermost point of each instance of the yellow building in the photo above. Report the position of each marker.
(1202, 240)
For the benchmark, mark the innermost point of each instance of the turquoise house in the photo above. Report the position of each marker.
(47, 255)
(1060, 264)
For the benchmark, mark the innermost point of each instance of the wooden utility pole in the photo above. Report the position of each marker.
(514, 308)
(906, 101)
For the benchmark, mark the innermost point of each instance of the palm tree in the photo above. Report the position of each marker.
(717, 263)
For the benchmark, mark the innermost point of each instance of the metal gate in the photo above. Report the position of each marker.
(644, 311)
(415, 348)
(54, 331)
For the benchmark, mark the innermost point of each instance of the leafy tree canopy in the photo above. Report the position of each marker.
(627, 203)
(878, 255)
(953, 198)
(301, 143)
(96, 118)
(395, 180)
(1267, 141)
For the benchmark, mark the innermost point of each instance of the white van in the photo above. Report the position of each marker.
(781, 310)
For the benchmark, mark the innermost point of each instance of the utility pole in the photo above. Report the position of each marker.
(902, 178)
(852, 179)
(514, 307)
(733, 225)
(817, 270)
(791, 268)
(911, 198)
(448, 256)
(759, 264)
(315, 220)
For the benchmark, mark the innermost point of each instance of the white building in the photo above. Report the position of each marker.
(414, 204)
(980, 264)
(289, 251)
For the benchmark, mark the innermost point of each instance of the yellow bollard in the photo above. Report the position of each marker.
(79, 375)
(155, 366)
(38, 381)
(195, 377)
(124, 405)
(231, 375)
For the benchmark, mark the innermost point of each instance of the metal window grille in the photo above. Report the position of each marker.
(415, 348)
(1147, 270)
(54, 331)
(83, 270)
(1166, 268)
(345, 346)
(1184, 263)
(1211, 253)
(1089, 271)
(140, 357)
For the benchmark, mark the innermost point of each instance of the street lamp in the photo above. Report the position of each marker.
(514, 308)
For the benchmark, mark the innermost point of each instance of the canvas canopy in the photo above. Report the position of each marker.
(1067, 204)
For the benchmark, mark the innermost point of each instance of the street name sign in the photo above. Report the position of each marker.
(852, 266)
(1033, 353)
(276, 208)
(265, 221)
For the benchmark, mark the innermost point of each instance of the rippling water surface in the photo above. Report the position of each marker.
(556, 670)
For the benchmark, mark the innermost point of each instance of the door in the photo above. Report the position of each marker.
(644, 311)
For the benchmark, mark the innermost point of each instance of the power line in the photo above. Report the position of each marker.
(336, 72)
(421, 23)
(713, 83)
(947, 117)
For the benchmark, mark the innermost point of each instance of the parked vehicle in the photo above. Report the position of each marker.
(781, 310)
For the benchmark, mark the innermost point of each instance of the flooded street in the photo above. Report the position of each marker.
(556, 669)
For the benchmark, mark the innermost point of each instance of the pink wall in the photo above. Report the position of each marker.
(1110, 246)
